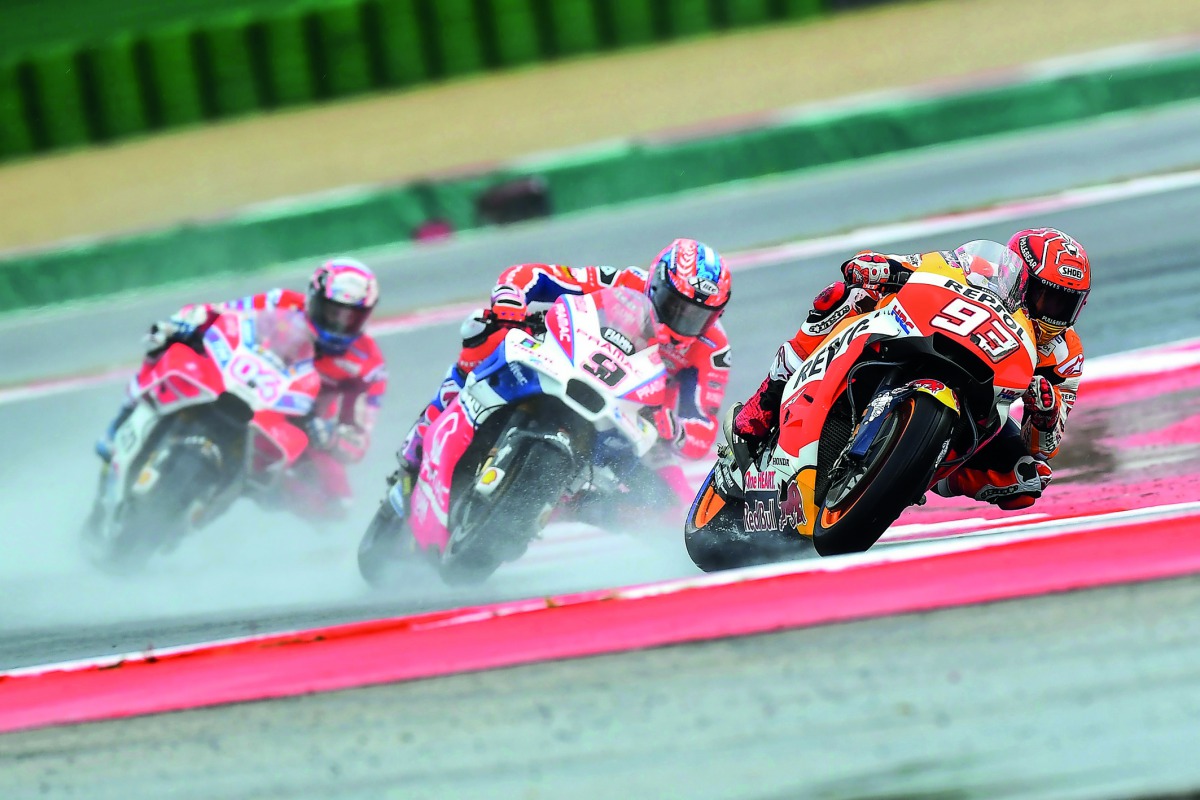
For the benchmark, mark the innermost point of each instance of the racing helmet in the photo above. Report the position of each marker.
(341, 295)
(689, 287)
(1060, 278)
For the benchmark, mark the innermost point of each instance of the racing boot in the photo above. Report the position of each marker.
(401, 482)
(1009, 490)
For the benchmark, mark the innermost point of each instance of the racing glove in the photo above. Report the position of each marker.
(178, 327)
(322, 433)
(1042, 403)
(509, 304)
(669, 429)
(871, 271)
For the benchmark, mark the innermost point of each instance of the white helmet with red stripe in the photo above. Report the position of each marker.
(341, 295)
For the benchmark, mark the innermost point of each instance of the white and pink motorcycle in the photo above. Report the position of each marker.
(545, 417)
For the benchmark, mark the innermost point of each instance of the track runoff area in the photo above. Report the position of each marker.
(1122, 508)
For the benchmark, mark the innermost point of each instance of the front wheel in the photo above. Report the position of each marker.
(494, 528)
(866, 497)
(171, 491)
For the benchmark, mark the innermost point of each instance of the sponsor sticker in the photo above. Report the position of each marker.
(901, 318)
(819, 361)
(615, 337)
(760, 481)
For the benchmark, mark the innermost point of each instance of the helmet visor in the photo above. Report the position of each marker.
(1053, 304)
(338, 319)
(683, 316)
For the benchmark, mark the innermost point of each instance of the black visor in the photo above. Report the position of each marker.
(1053, 304)
(338, 319)
(685, 317)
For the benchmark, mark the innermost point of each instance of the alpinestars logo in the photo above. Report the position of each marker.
(825, 325)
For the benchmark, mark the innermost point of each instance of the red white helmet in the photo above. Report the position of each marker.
(689, 287)
(1060, 278)
(341, 295)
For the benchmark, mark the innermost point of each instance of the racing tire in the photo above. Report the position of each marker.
(156, 520)
(496, 529)
(379, 548)
(894, 475)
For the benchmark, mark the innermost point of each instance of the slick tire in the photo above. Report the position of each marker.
(379, 551)
(156, 520)
(903, 457)
(498, 529)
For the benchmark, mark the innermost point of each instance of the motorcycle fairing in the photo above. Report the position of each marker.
(277, 442)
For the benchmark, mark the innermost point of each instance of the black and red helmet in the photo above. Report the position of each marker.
(1060, 278)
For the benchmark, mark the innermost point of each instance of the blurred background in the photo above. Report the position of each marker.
(159, 152)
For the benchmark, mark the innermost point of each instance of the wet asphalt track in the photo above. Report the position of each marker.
(259, 572)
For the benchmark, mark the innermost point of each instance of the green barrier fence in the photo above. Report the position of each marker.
(228, 82)
(172, 77)
(111, 73)
(280, 49)
(404, 53)
(340, 54)
(16, 139)
(688, 18)
(288, 52)
(457, 37)
(573, 27)
(58, 112)
(514, 35)
(615, 173)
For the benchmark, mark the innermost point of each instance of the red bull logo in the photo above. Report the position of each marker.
(791, 510)
(770, 514)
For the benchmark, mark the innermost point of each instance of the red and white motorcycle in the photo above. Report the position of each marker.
(214, 420)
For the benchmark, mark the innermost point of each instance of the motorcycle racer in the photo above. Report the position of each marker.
(340, 297)
(1011, 471)
(689, 287)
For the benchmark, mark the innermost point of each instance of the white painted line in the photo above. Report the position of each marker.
(840, 244)
(876, 235)
(910, 552)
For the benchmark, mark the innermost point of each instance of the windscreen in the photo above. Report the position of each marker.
(627, 312)
(992, 266)
(283, 334)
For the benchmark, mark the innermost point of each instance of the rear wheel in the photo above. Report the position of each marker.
(184, 475)
(865, 497)
(489, 529)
